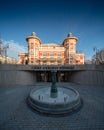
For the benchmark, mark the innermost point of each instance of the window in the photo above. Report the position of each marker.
(52, 62)
(71, 55)
(32, 60)
(51, 54)
(71, 48)
(32, 46)
(59, 53)
(36, 53)
(44, 54)
(72, 61)
(44, 62)
(59, 62)
(32, 53)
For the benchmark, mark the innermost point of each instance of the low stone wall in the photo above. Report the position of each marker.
(90, 77)
(17, 78)
(24, 75)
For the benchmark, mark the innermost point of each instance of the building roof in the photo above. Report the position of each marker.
(70, 36)
(33, 36)
(24, 54)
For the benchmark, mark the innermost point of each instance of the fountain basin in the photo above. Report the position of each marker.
(67, 100)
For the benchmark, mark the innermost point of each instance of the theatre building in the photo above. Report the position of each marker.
(51, 54)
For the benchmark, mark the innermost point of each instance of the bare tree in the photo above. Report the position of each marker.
(98, 58)
(3, 49)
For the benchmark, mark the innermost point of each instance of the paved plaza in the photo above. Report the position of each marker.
(15, 114)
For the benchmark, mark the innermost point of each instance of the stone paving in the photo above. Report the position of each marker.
(15, 114)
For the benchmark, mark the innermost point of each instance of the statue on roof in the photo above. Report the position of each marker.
(69, 35)
(33, 34)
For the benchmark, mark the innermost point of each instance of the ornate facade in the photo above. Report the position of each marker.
(51, 54)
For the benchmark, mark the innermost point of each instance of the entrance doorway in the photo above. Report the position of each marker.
(45, 76)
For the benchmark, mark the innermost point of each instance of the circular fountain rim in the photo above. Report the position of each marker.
(54, 108)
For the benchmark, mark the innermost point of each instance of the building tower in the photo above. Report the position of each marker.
(33, 48)
(70, 48)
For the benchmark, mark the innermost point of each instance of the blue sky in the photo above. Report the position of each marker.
(52, 20)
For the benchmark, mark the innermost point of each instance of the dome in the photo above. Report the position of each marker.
(70, 36)
(33, 36)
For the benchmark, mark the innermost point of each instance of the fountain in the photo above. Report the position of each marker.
(56, 100)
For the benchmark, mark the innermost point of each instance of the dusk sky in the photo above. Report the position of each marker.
(52, 20)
